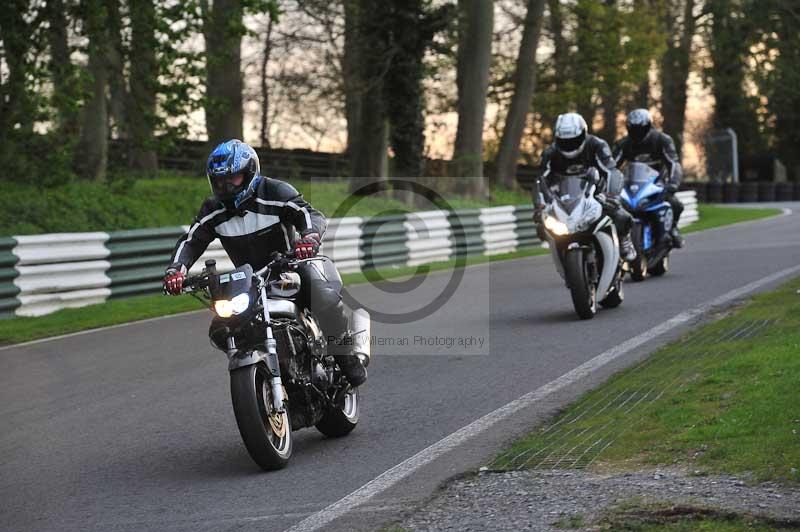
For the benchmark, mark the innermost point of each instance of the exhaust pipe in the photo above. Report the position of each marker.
(362, 336)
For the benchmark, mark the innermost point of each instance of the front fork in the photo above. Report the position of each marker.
(272, 360)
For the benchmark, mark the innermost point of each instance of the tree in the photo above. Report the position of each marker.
(412, 25)
(524, 87)
(144, 86)
(17, 104)
(223, 28)
(730, 39)
(778, 76)
(62, 72)
(675, 65)
(475, 22)
(368, 57)
(91, 156)
(612, 74)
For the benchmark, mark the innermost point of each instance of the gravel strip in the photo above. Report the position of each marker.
(539, 500)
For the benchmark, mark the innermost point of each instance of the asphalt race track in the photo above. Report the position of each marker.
(131, 428)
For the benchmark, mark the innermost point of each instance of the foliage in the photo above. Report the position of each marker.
(128, 203)
(605, 47)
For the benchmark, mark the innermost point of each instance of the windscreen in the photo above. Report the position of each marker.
(639, 174)
(571, 189)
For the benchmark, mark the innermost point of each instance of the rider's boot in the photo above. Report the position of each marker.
(677, 239)
(349, 362)
(627, 249)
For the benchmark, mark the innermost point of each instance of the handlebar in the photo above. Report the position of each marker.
(286, 260)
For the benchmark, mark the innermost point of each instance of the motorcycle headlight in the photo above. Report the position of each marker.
(226, 308)
(555, 226)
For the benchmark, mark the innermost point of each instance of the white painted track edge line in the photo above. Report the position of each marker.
(99, 329)
(405, 468)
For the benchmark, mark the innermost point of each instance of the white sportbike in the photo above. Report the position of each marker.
(583, 242)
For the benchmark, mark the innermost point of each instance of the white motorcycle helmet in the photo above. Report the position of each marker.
(570, 134)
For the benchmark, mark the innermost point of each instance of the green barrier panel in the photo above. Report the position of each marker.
(8, 290)
(138, 258)
(526, 229)
(383, 241)
(466, 231)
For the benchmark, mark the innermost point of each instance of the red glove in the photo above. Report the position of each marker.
(173, 281)
(307, 246)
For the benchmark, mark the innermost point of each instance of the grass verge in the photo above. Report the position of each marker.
(722, 399)
(717, 215)
(116, 311)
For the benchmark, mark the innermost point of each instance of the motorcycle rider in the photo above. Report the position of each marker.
(574, 149)
(646, 144)
(254, 216)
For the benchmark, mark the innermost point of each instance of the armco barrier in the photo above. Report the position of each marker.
(43, 273)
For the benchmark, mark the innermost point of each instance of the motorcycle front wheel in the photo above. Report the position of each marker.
(267, 435)
(583, 291)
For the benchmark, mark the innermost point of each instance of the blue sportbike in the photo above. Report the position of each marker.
(644, 197)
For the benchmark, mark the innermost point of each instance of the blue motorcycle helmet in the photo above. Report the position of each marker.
(233, 171)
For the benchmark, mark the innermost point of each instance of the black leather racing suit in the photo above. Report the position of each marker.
(597, 154)
(657, 150)
(265, 222)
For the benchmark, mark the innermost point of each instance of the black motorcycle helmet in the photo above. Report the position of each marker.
(639, 124)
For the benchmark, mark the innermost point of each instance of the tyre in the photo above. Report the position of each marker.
(661, 267)
(615, 297)
(584, 297)
(267, 436)
(339, 422)
(639, 264)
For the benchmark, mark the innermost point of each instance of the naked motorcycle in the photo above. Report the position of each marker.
(281, 377)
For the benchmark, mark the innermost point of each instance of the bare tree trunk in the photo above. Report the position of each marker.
(524, 87)
(223, 28)
(264, 88)
(475, 24)
(144, 87)
(91, 156)
(675, 67)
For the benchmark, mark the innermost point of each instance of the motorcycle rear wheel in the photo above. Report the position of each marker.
(267, 435)
(338, 422)
(661, 267)
(583, 291)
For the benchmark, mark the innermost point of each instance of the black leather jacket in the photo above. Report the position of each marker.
(656, 149)
(263, 223)
(595, 154)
